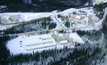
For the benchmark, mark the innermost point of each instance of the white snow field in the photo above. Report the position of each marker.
(26, 44)
(29, 44)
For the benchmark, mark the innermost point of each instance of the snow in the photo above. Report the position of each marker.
(5, 17)
(99, 1)
(21, 44)
(76, 38)
(8, 18)
(23, 16)
(28, 44)
(18, 17)
(72, 10)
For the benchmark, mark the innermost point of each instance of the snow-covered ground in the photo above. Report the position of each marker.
(15, 17)
(99, 1)
(29, 44)
(33, 43)
(9, 20)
